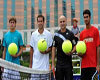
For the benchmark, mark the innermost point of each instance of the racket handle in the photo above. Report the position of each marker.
(98, 76)
(53, 73)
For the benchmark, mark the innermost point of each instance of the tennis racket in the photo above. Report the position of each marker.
(95, 76)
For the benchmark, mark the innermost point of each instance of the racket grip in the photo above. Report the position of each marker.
(53, 73)
(98, 76)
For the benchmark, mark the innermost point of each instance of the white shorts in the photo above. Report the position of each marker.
(40, 77)
(10, 75)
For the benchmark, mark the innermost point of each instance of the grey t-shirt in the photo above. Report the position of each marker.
(75, 30)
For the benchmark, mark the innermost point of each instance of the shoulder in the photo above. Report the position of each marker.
(7, 34)
(56, 33)
(35, 32)
(83, 31)
(18, 33)
(95, 28)
(70, 32)
(47, 32)
(72, 28)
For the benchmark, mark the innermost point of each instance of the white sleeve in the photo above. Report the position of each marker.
(32, 41)
(50, 40)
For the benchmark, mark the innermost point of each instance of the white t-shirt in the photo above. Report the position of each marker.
(40, 61)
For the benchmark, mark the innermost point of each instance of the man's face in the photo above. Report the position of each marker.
(63, 22)
(12, 24)
(87, 19)
(40, 22)
(74, 23)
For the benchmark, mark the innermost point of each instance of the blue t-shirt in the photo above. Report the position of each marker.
(12, 37)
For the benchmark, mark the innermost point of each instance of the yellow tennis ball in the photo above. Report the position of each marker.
(12, 49)
(42, 45)
(81, 47)
(67, 46)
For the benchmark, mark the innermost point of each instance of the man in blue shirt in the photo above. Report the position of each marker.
(12, 36)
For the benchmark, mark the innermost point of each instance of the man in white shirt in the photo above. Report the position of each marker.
(40, 60)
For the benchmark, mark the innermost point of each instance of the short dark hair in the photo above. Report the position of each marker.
(41, 16)
(12, 19)
(87, 11)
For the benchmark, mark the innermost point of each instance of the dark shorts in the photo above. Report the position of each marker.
(87, 73)
(64, 73)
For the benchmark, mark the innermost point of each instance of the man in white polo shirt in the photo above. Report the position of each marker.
(40, 60)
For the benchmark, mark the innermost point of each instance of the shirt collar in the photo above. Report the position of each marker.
(39, 33)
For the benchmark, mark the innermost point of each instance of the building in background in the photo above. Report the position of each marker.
(26, 12)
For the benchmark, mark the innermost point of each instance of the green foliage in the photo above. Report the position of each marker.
(1, 50)
(76, 63)
(50, 58)
(0, 53)
(24, 63)
(25, 54)
(25, 59)
(76, 70)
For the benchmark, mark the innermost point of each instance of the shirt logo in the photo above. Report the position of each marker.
(66, 33)
(88, 40)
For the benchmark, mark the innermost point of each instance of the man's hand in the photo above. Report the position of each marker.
(53, 70)
(69, 54)
(43, 52)
(80, 54)
(2, 69)
(15, 56)
(97, 68)
(77, 35)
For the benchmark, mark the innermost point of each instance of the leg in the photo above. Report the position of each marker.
(84, 74)
(91, 71)
(68, 73)
(87, 73)
(35, 77)
(59, 74)
(45, 77)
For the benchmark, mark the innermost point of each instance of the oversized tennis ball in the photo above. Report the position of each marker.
(42, 45)
(12, 49)
(81, 47)
(67, 46)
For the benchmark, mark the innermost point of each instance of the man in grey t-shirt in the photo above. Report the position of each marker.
(75, 28)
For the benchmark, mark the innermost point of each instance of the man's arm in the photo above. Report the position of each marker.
(31, 56)
(74, 49)
(53, 57)
(97, 59)
(47, 51)
(19, 53)
(3, 56)
(53, 60)
(4, 53)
